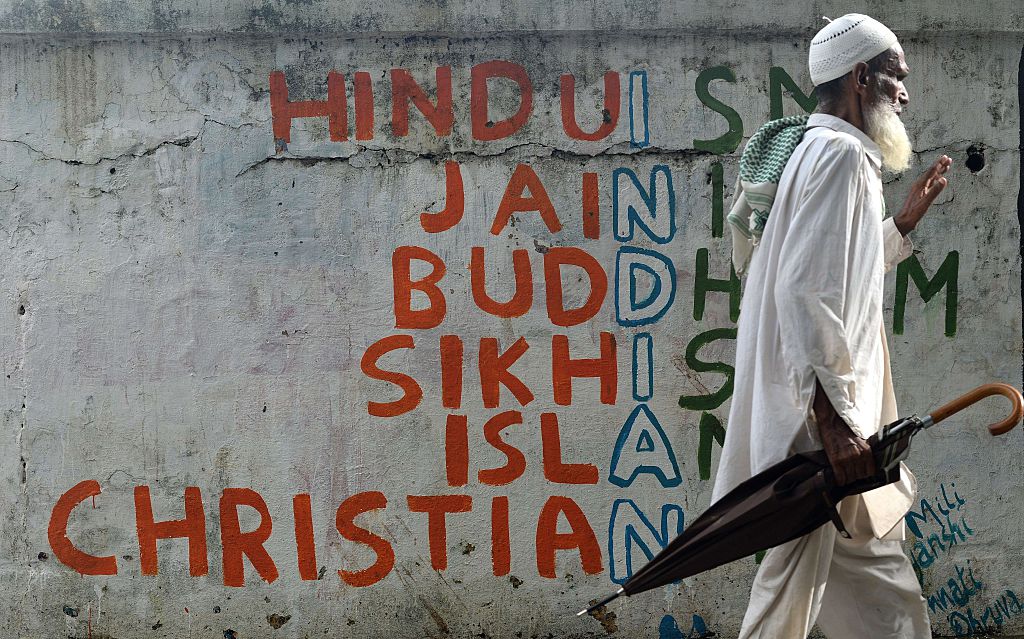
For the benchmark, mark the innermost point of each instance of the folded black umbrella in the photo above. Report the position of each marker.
(791, 499)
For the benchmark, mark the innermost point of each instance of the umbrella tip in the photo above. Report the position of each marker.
(601, 603)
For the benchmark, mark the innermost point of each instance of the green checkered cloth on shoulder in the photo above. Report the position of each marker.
(761, 166)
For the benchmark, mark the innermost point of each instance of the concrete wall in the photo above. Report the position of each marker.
(194, 306)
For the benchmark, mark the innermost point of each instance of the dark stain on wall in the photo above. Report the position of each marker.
(276, 621)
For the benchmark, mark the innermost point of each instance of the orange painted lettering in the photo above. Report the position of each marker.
(522, 296)
(237, 544)
(401, 266)
(404, 89)
(484, 128)
(282, 111)
(516, 464)
(411, 391)
(513, 200)
(437, 508)
(454, 202)
(564, 369)
(451, 371)
(345, 522)
(57, 532)
(304, 542)
(494, 372)
(501, 553)
(554, 260)
(554, 469)
(609, 117)
(363, 95)
(192, 527)
(549, 540)
(456, 450)
(591, 207)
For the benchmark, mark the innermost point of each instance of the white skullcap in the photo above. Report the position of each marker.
(844, 42)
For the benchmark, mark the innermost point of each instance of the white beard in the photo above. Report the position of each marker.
(882, 125)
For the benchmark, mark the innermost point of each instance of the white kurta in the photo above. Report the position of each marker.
(812, 308)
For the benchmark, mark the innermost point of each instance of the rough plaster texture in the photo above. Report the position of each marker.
(457, 16)
(186, 306)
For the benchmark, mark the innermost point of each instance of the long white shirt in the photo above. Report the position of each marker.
(812, 308)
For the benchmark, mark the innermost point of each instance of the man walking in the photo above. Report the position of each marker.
(812, 364)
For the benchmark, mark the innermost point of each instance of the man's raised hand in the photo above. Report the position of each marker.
(922, 193)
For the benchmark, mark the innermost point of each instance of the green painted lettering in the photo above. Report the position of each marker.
(710, 399)
(730, 140)
(945, 277)
(703, 284)
(717, 199)
(779, 79)
(710, 431)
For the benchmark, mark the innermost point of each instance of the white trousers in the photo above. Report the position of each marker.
(854, 588)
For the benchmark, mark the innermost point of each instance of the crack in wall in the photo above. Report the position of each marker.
(400, 156)
(962, 142)
(396, 156)
(183, 141)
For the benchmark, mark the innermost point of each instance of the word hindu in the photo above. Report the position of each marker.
(406, 92)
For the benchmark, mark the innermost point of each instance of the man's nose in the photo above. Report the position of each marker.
(903, 96)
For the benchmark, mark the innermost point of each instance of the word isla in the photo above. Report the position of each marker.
(555, 470)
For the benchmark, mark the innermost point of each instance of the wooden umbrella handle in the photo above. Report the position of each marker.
(982, 392)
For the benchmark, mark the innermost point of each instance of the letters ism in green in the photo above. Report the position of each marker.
(779, 82)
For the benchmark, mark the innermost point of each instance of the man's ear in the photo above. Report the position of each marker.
(860, 76)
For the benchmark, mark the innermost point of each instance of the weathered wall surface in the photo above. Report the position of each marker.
(204, 312)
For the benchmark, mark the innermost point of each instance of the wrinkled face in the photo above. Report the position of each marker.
(887, 83)
(882, 111)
